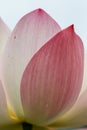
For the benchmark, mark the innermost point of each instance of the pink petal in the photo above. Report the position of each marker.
(77, 116)
(53, 78)
(31, 32)
(4, 34)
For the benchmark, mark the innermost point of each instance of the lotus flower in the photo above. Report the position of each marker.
(43, 75)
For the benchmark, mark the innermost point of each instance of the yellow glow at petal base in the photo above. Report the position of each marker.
(12, 113)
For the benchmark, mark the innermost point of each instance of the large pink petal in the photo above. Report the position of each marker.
(77, 116)
(53, 78)
(4, 34)
(31, 32)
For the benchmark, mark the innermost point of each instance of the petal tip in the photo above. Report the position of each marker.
(69, 31)
(71, 28)
(40, 11)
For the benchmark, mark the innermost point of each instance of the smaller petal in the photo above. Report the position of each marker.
(84, 85)
(4, 34)
(5, 118)
(77, 116)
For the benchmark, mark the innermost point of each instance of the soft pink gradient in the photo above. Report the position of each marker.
(31, 32)
(53, 78)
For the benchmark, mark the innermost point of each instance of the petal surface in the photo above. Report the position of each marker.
(4, 108)
(31, 32)
(4, 34)
(84, 85)
(53, 78)
(77, 116)
(5, 118)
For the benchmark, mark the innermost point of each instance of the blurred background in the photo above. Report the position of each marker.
(65, 12)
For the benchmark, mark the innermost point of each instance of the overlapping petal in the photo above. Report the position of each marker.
(84, 85)
(53, 78)
(4, 34)
(5, 119)
(77, 116)
(32, 31)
